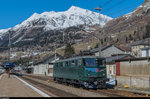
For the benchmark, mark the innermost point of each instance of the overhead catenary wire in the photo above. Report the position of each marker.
(106, 3)
(113, 6)
(126, 8)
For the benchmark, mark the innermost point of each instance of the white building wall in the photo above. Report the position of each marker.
(144, 53)
(41, 69)
(111, 69)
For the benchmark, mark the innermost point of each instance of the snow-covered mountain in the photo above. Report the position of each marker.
(58, 20)
(3, 31)
(72, 17)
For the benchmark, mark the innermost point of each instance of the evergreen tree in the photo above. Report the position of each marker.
(97, 45)
(134, 32)
(130, 37)
(69, 50)
(126, 39)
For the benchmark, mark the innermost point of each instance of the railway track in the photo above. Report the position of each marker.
(54, 91)
(107, 92)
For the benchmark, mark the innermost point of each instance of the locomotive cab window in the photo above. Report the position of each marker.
(90, 62)
(80, 62)
(67, 64)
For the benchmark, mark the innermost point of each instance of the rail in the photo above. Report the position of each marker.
(108, 92)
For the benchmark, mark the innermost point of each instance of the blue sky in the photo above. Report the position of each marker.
(13, 12)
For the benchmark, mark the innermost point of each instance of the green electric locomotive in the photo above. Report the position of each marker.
(87, 71)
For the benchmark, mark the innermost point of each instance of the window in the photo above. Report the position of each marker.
(100, 62)
(83, 62)
(67, 63)
(61, 64)
(76, 62)
(64, 64)
(79, 62)
(73, 63)
(90, 62)
(56, 64)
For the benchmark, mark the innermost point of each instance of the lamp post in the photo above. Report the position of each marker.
(99, 9)
(9, 46)
(55, 46)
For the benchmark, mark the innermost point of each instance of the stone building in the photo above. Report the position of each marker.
(108, 51)
(136, 49)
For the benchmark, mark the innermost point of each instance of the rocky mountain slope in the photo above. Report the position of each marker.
(129, 27)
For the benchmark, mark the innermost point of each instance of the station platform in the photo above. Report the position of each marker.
(16, 87)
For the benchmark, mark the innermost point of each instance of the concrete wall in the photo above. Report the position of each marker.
(133, 82)
(139, 68)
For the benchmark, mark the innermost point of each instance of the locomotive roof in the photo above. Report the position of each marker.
(79, 57)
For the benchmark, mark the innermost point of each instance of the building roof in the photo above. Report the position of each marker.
(50, 58)
(112, 59)
(79, 57)
(142, 42)
(104, 48)
(147, 48)
(133, 59)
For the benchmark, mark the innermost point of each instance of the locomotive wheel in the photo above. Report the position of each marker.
(86, 85)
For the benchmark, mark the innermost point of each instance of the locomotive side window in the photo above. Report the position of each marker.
(67, 64)
(64, 64)
(61, 64)
(83, 62)
(79, 62)
(56, 64)
(72, 63)
(76, 62)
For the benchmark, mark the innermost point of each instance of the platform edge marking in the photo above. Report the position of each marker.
(34, 88)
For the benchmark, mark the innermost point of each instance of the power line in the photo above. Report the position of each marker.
(106, 3)
(125, 8)
(113, 6)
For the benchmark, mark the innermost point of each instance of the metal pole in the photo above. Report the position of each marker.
(99, 9)
(9, 45)
(63, 36)
(55, 48)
